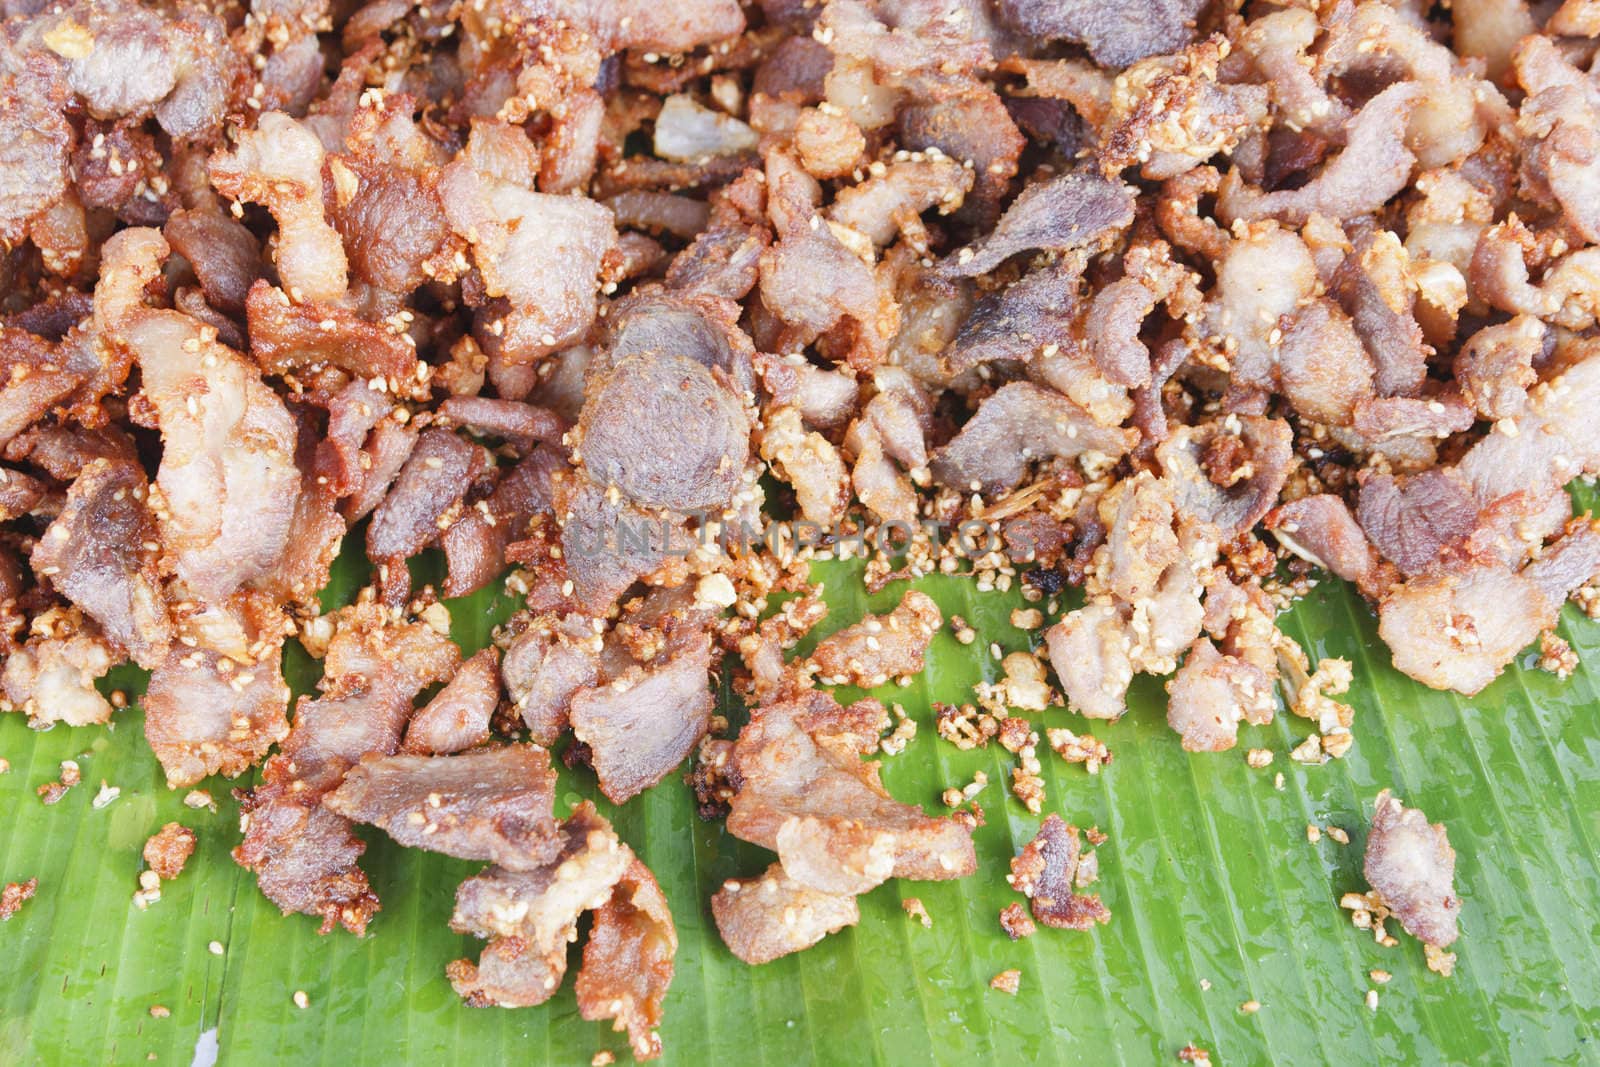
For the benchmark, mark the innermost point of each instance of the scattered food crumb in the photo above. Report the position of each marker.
(14, 895)
(301, 1000)
(1027, 618)
(1555, 655)
(1205, 985)
(71, 775)
(169, 850)
(159, 1011)
(1007, 981)
(602, 1059)
(107, 794)
(1079, 748)
(1338, 834)
(964, 633)
(1439, 961)
(964, 726)
(5, 766)
(914, 908)
(1372, 1000)
(215, 948)
(1194, 1054)
(1380, 976)
(1016, 922)
(1312, 833)
(1309, 751)
(1250, 1007)
(1277, 781)
(954, 798)
(1259, 758)
(199, 798)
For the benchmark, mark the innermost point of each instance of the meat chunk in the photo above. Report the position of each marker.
(1321, 530)
(303, 853)
(1411, 520)
(530, 916)
(627, 961)
(773, 916)
(1211, 694)
(490, 804)
(1079, 209)
(1020, 422)
(101, 554)
(642, 724)
(880, 647)
(51, 678)
(458, 717)
(1116, 33)
(208, 713)
(664, 431)
(1411, 865)
(544, 667)
(15, 894)
(800, 759)
(1046, 872)
(429, 489)
(1090, 651)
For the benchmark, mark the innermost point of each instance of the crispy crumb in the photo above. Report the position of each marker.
(215, 948)
(914, 907)
(71, 775)
(964, 726)
(1278, 781)
(199, 798)
(1258, 758)
(1379, 976)
(1079, 748)
(1313, 834)
(1556, 655)
(159, 1011)
(5, 766)
(1372, 1000)
(169, 849)
(1250, 1007)
(1205, 985)
(107, 794)
(301, 1000)
(1439, 961)
(1007, 981)
(1195, 1054)
(964, 633)
(1338, 834)
(1026, 618)
(1309, 751)
(603, 1058)
(1016, 922)
(14, 895)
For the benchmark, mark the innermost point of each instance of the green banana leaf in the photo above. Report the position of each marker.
(1217, 896)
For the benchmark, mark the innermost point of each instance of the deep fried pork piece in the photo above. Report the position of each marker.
(802, 784)
(530, 916)
(1411, 866)
(169, 849)
(489, 804)
(51, 677)
(1116, 33)
(210, 712)
(101, 553)
(627, 961)
(1076, 210)
(880, 647)
(775, 915)
(457, 718)
(1211, 694)
(1046, 872)
(1020, 422)
(644, 722)
(304, 854)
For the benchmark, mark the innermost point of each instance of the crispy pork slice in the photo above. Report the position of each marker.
(880, 647)
(1079, 209)
(101, 553)
(1411, 865)
(544, 667)
(1046, 872)
(490, 804)
(1211, 694)
(1018, 423)
(51, 678)
(457, 718)
(645, 722)
(530, 916)
(209, 713)
(226, 490)
(627, 961)
(774, 915)
(1090, 651)
(304, 854)
(800, 759)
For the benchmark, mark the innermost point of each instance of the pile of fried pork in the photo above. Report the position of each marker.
(1184, 300)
